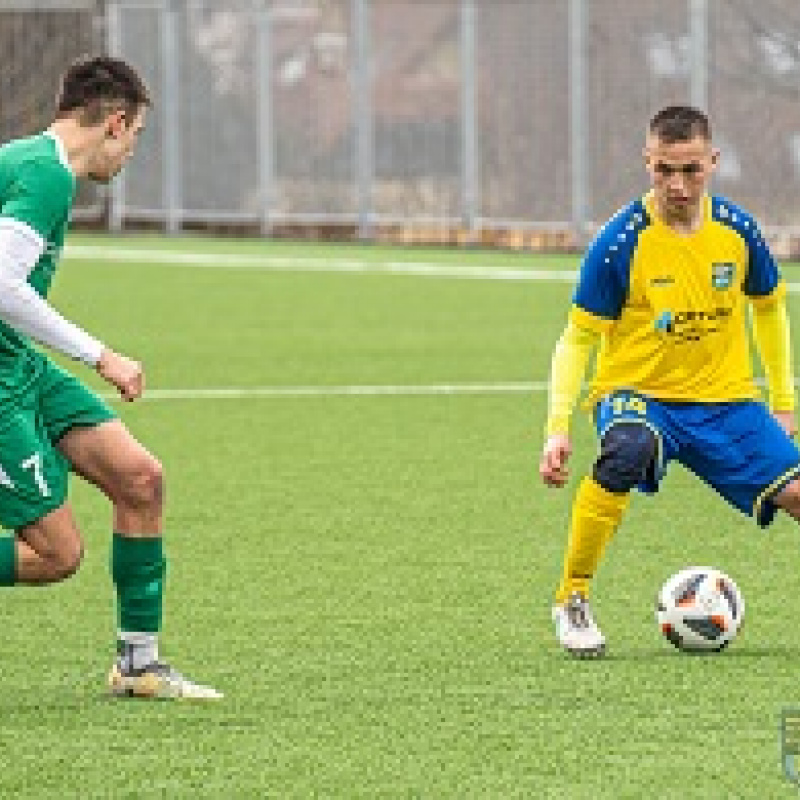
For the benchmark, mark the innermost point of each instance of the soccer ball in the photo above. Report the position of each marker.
(700, 609)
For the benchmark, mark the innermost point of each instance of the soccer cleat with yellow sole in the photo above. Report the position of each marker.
(157, 681)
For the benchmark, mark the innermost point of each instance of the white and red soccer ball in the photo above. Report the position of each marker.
(700, 609)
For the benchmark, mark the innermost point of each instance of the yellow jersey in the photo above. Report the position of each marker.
(671, 307)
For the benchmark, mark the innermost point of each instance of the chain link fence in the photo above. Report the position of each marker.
(463, 114)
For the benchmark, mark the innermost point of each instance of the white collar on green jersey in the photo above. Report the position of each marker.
(60, 149)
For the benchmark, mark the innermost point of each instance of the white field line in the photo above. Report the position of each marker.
(397, 390)
(385, 390)
(280, 263)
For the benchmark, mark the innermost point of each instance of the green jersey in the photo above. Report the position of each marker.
(37, 188)
(39, 401)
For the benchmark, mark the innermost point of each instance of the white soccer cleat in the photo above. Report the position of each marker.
(576, 628)
(157, 681)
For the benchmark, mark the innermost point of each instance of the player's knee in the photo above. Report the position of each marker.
(71, 561)
(66, 561)
(626, 452)
(144, 485)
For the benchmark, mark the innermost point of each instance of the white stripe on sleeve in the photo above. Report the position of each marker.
(23, 309)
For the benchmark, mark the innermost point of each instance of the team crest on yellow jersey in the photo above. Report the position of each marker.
(722, 274)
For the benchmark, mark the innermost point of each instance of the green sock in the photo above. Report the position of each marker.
(138, 567)
(8, 560)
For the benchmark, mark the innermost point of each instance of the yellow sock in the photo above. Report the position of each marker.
(596, 514)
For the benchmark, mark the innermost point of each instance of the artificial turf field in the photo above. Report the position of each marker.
(362, 556)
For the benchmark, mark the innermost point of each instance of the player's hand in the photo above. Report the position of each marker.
(124, 373)
(553, 465)
(787, 421)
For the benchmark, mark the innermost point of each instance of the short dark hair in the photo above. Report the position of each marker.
(680, 124)
(95, 85)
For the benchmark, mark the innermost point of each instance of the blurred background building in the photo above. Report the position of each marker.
(516, 122)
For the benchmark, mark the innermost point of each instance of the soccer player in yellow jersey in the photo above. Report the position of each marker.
(664, 289)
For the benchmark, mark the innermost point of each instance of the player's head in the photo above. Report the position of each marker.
(107, 99)
(680, 159)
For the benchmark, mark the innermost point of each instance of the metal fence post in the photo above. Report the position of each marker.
(578, 116)
(469, 130)
(698, 36)
(363, 121)
(266, 138)
(116, 189)
(171, 108)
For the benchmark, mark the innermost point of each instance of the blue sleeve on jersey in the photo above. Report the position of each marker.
(602, 286)
(763, 275)
(605, 271)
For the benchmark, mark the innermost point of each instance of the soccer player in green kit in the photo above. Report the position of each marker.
(50, 423)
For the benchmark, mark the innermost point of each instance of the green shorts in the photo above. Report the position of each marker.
(33, 473)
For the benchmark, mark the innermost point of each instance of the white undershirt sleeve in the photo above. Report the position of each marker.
(23, 309)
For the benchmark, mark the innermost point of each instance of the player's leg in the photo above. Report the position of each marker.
(49, 549)
(629, 450)
(789, 499)
(626, 450)
(102, 450)
(46, 545)
(108, 456)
